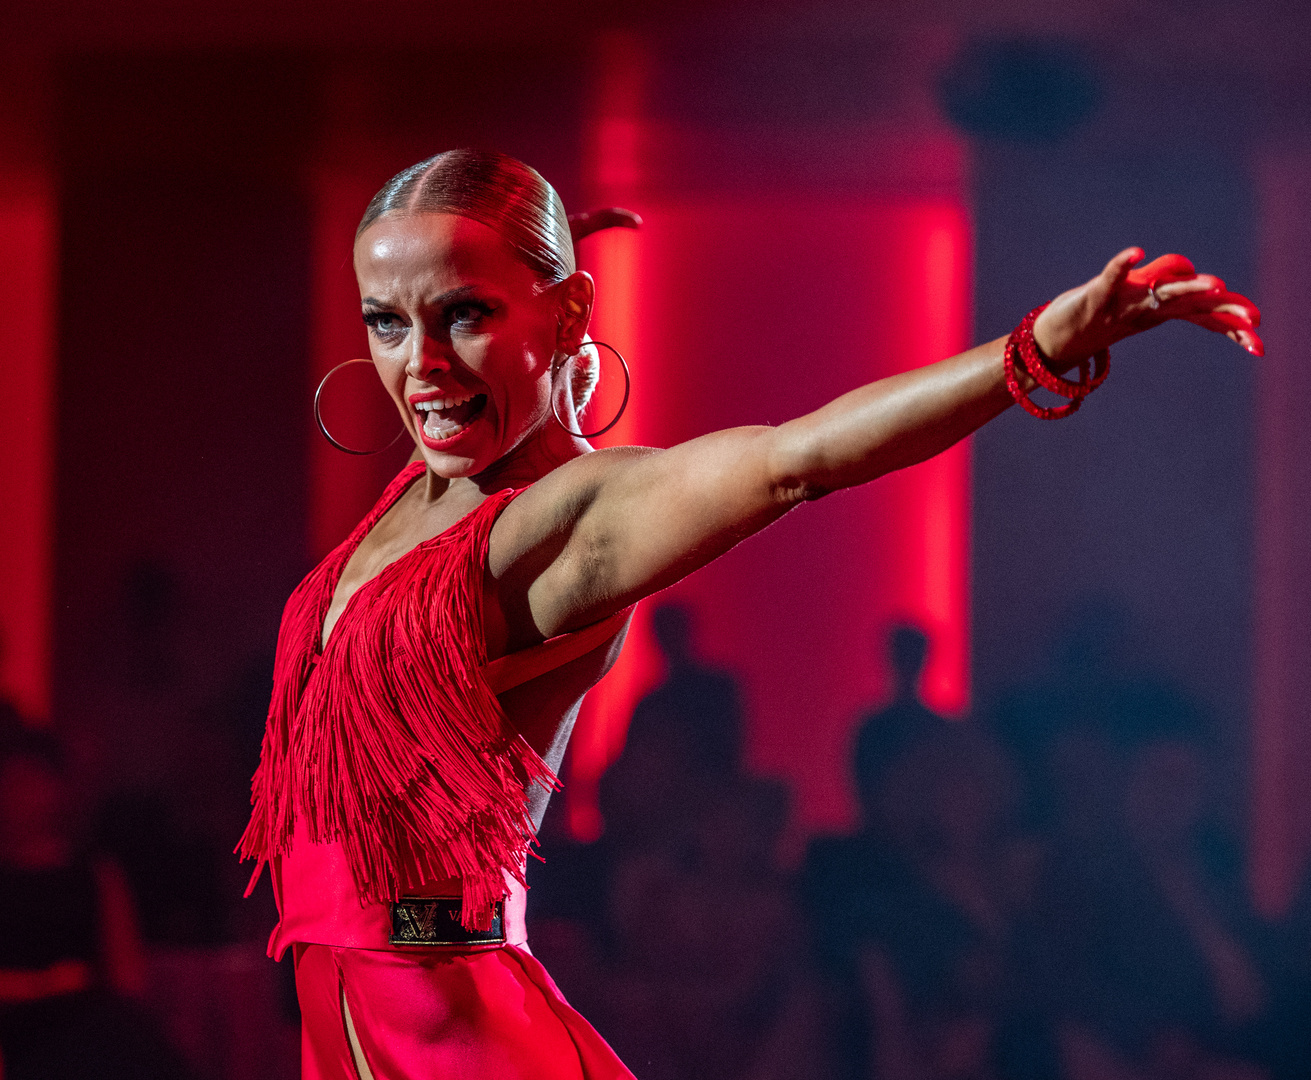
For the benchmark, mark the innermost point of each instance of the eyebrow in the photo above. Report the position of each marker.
(445, 298)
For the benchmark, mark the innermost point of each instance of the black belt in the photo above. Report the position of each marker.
(435, 920)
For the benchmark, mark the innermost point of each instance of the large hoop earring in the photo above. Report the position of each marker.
(628, 388)
(318, 416)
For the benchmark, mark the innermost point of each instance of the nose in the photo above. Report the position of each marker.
(427, 358)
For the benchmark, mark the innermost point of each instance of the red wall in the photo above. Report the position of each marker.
(778, 267)
(27, 271)
(29, 245)
(756, 310)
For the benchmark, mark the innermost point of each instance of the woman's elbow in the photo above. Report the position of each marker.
(795, 491)
(796, 474)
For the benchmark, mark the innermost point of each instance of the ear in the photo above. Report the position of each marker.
(575, 295)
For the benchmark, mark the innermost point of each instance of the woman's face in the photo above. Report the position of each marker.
(462, 334)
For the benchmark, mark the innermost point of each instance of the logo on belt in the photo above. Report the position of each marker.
(435, 920)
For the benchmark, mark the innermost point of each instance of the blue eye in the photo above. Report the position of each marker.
(466, 314)
(383, 324)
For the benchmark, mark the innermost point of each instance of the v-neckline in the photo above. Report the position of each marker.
(353, 542)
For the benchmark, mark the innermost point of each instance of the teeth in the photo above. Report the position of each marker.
(436, 427)
(442, 403)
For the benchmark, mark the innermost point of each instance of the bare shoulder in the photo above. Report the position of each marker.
(541, 518)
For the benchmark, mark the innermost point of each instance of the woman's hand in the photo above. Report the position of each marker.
(1121, 301)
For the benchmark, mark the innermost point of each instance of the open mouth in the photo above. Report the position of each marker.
(444, 418)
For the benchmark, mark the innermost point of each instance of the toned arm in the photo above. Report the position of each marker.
(642, 519)
(611, 527)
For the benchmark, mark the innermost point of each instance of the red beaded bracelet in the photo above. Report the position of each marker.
(1022, 352)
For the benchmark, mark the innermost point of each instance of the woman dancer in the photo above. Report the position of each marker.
(430, 669)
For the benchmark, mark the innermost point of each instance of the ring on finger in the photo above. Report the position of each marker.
(1156, 299)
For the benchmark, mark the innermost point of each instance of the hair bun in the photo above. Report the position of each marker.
(591, 221)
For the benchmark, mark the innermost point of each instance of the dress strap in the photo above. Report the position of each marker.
(516, 668)
(393, 491)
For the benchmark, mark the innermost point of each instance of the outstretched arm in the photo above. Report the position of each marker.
(909, 418)
(617, 525)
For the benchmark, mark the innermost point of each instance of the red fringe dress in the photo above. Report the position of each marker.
(388, 768)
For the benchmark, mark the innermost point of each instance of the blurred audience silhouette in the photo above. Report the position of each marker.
(1152, 961)
(695, 702)
(72, 964)
(914, 917)
(692, 960)
(1052, 893)
(125, 946)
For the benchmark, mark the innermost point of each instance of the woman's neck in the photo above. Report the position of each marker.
(540, 453)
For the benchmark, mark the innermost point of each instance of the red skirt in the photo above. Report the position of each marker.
(438, 1014)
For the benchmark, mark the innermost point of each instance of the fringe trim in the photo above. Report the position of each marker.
(391, 742)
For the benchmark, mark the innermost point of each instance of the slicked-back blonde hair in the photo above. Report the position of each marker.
(497, 190)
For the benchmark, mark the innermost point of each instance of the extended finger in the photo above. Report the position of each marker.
(1243, 334)
(1240, 302)
(1228, 320)
(1187, 298)
(1227, 317)
(1222, 322)
(1118, 269)
(1249, 340)
(1162, 269)
(1165, 291)
(1234, 303)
